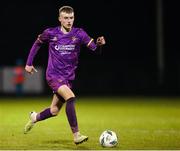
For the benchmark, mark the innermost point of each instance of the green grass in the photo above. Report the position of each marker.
(140, 123)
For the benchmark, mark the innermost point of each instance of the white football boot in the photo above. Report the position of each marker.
(31, 122)
(80, 138)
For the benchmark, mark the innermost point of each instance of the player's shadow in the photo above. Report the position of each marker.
(67, 144)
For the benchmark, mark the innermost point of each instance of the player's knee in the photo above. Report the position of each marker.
(54, 111)
(70, 99)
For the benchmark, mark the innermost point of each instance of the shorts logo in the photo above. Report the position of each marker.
(59, 80)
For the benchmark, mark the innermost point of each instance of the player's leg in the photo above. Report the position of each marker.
(69, 96)
(54, 109)
(65, 92)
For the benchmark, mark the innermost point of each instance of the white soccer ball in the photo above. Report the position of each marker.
(108, 138)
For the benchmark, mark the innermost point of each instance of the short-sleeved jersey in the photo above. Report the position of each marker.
(64, 50)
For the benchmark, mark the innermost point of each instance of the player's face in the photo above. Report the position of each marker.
(66, 20)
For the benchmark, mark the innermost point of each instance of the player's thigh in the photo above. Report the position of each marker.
(65, 92)
(56, 104)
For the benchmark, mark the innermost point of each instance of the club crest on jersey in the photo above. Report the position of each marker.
(73, 38)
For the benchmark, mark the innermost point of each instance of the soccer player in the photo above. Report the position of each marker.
(64, 47)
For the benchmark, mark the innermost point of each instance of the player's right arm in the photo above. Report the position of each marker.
(42, 38)
(30, 69)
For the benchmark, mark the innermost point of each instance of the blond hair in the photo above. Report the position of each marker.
(66, 9)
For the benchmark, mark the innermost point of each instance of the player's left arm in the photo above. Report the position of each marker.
(95, 46)
(99, 43)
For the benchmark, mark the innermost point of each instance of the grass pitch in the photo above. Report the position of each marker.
(140, 123)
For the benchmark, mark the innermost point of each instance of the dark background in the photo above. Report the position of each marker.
(129, 64)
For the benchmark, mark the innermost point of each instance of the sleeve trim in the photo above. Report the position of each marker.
(39, 39)
(90, 42)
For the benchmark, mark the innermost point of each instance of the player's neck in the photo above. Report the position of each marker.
(65, 30)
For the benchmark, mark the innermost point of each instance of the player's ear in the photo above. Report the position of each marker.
(59, 18)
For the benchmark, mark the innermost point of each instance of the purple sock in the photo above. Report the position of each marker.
(44, 115)
(71, 114)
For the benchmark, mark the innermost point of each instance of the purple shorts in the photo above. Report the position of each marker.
(56, 83)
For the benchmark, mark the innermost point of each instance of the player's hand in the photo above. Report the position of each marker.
(100, 41)
(30, 69)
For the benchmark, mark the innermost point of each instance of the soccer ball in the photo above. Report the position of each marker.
(108, 138)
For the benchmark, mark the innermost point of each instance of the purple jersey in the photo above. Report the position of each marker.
(64, 50)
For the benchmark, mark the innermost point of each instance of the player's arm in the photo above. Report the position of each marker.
(100, 42)
(97, 47)
(42, 38)
(30, 69)
(33, 51)
(91, 44)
